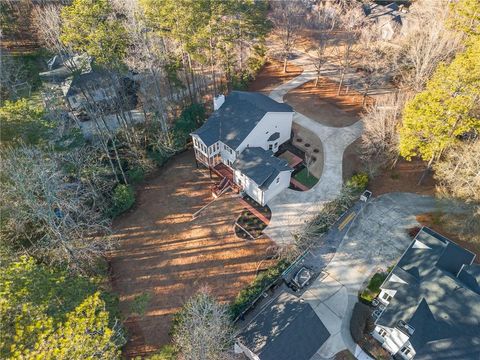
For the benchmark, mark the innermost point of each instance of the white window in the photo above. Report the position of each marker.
(276, 144)
(405, 350)
(386, 297)
(270, 147)
(382, 332)
(278, 179)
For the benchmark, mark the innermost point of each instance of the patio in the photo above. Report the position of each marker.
(292, 159)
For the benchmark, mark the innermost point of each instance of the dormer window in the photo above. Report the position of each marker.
(386, 297)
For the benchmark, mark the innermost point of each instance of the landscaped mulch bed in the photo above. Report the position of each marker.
(249, 222)
(265, 210)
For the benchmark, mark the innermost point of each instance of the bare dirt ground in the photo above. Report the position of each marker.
(164, 253)
(272, 76)
(352, 163)
(322, 103)
(403, 177)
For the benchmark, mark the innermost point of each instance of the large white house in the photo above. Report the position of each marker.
(430, 302)
(243, 134)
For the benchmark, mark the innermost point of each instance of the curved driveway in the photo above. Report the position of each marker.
(292, 209)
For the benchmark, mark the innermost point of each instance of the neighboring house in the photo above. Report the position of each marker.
(101, 89)
(61, 66)
(389, 19)
(243, 133)
(430, 302)
(287, 329)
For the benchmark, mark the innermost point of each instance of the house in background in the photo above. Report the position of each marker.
(430, 302)
(240, 138)
(390, 19)
(101, 88)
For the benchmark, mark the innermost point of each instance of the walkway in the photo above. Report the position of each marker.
(292, 209)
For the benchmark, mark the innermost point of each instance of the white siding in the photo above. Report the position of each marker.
(272, 122)
(395, 341)
(276, 188)
(249, 186)
(386, 291)
(259, 195)
(228, 154)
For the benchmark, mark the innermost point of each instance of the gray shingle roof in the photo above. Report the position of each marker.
(237, 117)
(288, 329)
(96, 79)
(444, 310)
(260, 165)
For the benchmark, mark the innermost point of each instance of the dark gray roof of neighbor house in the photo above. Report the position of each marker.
(260, 165)
(95, 79)
(237, 117)
(443, 309)
(287, 329)
(470, 276)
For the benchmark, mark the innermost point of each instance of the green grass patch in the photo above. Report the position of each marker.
(305, 178)
(373, 288)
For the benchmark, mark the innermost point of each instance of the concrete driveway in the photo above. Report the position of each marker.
(291, 209)
(375, 240)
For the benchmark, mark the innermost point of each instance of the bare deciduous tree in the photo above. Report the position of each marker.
(380, 135)
(374, 61)
(47, 214)
(458, 172)
(204, 330)
(318, 53)
(421, 51)
(287, 18)
(351, 21)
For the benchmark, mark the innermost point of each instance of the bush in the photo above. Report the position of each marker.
(122, 199)
(23, 121)
(252, 291)
(358, 182)
(136, 175)
(373, 287)
(360, 322)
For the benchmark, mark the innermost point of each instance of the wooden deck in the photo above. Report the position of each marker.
(223, 170)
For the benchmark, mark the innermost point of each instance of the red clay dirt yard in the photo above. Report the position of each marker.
(163, 252)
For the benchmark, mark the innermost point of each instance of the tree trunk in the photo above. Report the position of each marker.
(342, 77)
(285, 64)
(429, 165)
(119, 162)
